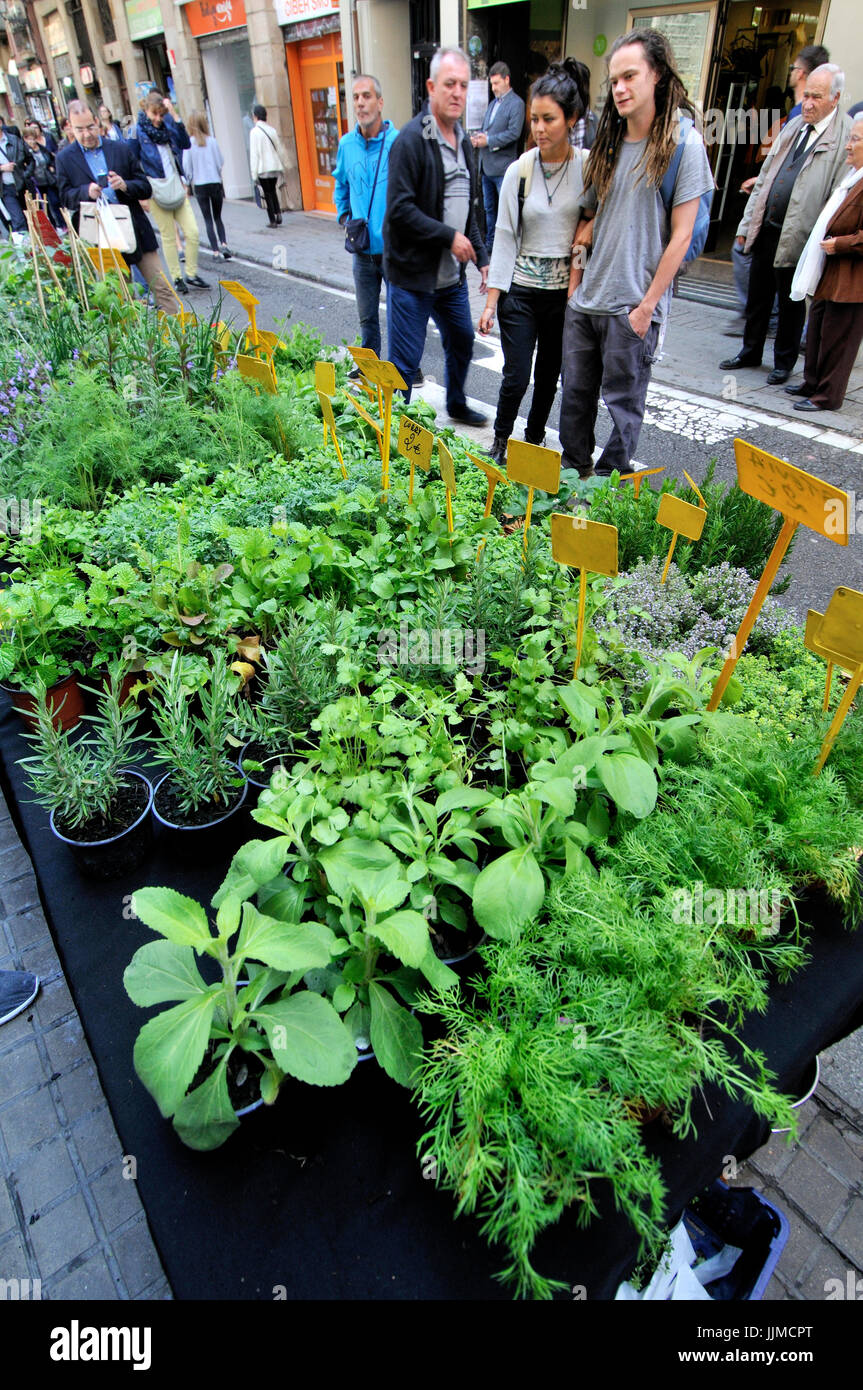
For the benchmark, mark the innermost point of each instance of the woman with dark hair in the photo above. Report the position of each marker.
(530, 262)
(44, 177)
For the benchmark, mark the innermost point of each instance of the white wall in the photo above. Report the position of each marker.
(227, 119)
(841, 38)
(385, 53)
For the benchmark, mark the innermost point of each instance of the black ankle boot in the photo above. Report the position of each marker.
(531, 439)
(498, 450)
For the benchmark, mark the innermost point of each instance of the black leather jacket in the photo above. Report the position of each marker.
(18, 154)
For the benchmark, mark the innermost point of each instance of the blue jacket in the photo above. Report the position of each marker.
(151, 160)
(355, 175)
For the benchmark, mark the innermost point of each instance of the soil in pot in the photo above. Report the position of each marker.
(260, 753)
(105, 847)
(167, 805)
(65, 700)
(244, 1072)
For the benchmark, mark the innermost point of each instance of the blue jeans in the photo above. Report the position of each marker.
(408, 313)
(368, 278)
(14, 209)
(490, 198)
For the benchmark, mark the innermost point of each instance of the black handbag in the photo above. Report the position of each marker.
(357, 235)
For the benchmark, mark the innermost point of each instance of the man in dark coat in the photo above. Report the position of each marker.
(16, 167)
(430, 233)
(93, 167)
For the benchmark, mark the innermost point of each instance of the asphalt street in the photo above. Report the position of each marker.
(682, 430)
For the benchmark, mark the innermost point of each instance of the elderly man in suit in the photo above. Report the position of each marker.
(93, 167)
(497, 142)
(804, 165)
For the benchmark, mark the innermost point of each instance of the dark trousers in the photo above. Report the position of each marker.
(52, 205)
(490, 199)
(368, 278)
(529, 319)
(268, 188)
(767, 282)
(602, 354)
(833, 339)
(210, 197)
(14, 207)
(408, 313)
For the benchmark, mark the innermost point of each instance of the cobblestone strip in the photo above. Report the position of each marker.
(71, 1225)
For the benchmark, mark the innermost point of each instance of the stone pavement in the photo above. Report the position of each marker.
(311, 245)
(71, 1223)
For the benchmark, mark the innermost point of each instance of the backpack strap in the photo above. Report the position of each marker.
(666, 188)
(526, 165)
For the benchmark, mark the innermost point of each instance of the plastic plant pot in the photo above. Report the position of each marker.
(208, 836)
(813, 1076)
(121, 852)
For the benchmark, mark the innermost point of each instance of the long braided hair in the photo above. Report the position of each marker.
(670, 96)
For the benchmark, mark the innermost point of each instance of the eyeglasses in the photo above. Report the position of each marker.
(92, 126)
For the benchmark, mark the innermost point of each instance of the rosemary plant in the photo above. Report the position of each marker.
(79, 780)
(193, 745)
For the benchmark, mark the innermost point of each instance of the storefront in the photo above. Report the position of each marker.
(514, 32)
(146, 29)
(220, 29)
(316, 73)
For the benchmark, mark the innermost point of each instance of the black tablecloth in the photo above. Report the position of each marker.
(324, 1194)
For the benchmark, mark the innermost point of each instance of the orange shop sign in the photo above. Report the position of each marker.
(214, 16)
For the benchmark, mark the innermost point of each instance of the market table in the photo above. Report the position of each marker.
(324, 1195)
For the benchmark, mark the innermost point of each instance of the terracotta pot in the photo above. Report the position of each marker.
(65, 700)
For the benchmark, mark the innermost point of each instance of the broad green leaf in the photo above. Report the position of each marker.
(255, 864)
(348, 864)
(283, 945)
(461, 873)
(557, 792)
(174, 916)
(170, 1048)
(205, 1119)
(507, 893)
(343, 997)
(577, 861)
(462, 799)
(161, 973)
(286, 903)
(580, 710)
(308, 1039)
(396, 1036)
(630, 783)
(382, 586)
(405, 934)
(439, 976)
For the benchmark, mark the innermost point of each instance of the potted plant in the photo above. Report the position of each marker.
(42, 624)
(99, 807)
(202, 787)
(256, 1014)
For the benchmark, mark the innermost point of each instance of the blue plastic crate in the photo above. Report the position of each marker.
(737, 1216)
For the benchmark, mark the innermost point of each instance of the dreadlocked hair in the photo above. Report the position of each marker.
(670, 97)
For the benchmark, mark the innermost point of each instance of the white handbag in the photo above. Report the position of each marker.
(108, 225)
(168, 192)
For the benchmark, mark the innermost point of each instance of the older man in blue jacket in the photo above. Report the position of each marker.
(361, 193)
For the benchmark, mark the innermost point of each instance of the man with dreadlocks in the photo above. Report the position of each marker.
(614, 318)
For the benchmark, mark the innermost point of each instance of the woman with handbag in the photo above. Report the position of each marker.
(202, 165)
(529, 275)
(162, 139)
(266, 163)
(44, 177)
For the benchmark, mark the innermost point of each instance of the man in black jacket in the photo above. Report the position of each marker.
(92, 167)
(16, 166)
(430, 233)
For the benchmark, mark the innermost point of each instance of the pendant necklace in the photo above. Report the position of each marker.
(548, 176)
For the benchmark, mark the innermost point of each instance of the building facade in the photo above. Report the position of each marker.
(298, 58)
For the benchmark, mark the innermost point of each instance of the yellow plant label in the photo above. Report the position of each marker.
(533, 465)
(681, 517)
(327, 412)
(240, 293)
(585, 545)
(415, 443)
(383, 374)
(256, 370)
(493, 474)
(361, 355)
(447, 470)
(325, 377)
(799, 496)
(840, 632)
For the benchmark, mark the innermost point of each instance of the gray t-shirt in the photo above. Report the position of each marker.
(633, 229)
(456, 201)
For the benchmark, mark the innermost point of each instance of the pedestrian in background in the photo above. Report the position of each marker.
(44, 178)
(267, 162)
(162, 138)
(16, 168)
(110, 129)
(202, 165)
(584, 131)
(831, 269)
(362, 169)
(529, 274)
(44, 137)
(497, 143)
